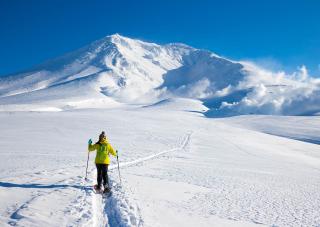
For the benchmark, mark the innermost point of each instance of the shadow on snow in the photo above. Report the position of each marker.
(14, 185)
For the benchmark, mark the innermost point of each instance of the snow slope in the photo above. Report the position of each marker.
(295, 127)
(178, 168)
(117, 70)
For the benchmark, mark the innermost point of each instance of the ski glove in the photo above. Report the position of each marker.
(90, 141)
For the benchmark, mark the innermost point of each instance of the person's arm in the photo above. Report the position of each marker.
(91, 147)
(111, 150)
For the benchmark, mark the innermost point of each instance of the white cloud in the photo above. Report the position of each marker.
(276, 93)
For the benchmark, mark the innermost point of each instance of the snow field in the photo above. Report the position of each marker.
(177, 167)
(117, 70)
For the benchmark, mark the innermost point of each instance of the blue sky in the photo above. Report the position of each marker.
(277, 34)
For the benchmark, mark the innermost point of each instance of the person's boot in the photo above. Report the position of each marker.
(106, 189)
(97, 188)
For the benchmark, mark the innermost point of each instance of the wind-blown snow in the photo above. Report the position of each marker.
(273, 93)
(118, 70)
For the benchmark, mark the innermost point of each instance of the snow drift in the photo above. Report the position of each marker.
(117, 70)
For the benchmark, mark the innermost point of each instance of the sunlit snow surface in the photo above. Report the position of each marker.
(178, 168)
(180, 165)
(116, 70)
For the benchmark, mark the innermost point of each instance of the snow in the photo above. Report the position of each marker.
(129, 71)
(266, 92)
(178, 167)
(180, 164)
(295, 127)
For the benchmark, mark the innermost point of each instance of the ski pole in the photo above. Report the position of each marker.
(119, 168)
(87, 167)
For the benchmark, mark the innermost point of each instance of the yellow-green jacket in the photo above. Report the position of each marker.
(103, 150)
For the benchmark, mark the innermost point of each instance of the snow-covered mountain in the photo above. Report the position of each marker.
(174, 167)
(117, 70)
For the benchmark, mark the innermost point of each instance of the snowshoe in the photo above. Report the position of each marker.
(107, 192)
(97, 189)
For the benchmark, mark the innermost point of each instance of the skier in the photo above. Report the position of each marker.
(103, 148)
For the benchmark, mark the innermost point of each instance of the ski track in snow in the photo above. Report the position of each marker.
(87, 207)
(229, 176)
(117, 210)
(23, 214)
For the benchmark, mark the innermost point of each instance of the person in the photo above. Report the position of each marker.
(102, 160)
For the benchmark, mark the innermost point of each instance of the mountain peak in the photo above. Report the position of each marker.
(118, 69)
(116, 36)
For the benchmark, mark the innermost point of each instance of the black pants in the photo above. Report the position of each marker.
(102, 175)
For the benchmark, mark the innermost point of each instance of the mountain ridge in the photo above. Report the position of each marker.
(130, 71)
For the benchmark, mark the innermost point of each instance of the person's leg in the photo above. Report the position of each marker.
(99, 175)
(105, 176)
